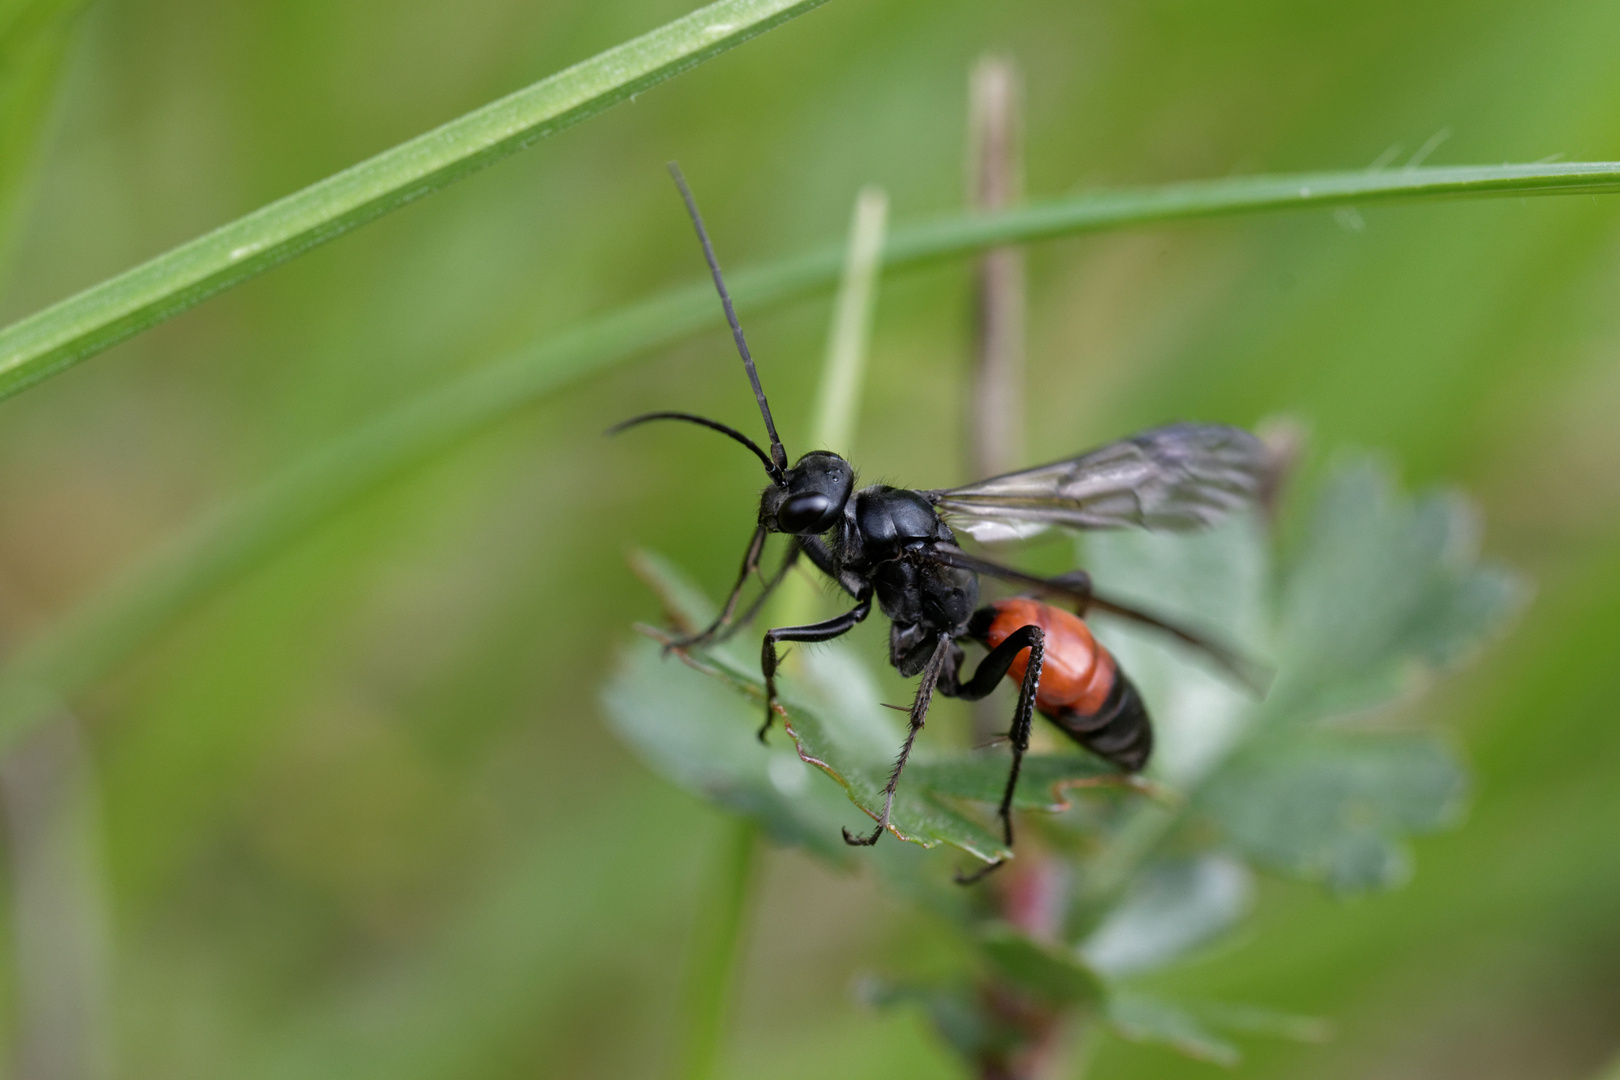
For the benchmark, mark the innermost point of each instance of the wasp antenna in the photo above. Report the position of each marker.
(714, 425)
(778, 454)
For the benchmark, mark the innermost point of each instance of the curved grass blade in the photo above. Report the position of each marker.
(120, 307)
(61, 335)
(1246, 195)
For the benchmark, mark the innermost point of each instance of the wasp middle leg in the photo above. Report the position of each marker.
(919, 715)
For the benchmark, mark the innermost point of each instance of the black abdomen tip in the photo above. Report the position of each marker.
(1120, 732)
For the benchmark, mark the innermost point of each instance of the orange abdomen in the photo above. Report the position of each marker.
(1077, 674)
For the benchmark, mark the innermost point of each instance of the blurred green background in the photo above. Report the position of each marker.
(359, 816)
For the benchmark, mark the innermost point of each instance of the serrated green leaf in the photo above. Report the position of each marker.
(954, 1011)
(698, 735)
(1196, 1029)
(1217, 582)
(824, 741)
(1045, 971)
(1258, 1020)
(1044, 781)
(1384, 588)
(1144, 1019)
(1172, 908)
(1334, 805)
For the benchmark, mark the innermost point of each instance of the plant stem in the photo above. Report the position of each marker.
(58, 906)
(995, 407)
(996, 411)
(1029, 893)
(80, 326)
(716, 945)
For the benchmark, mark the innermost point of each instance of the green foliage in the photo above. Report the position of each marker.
(88, 641)
(84, 325)
(34, 39)
(1142, 1018)
(1420, 601)
(81, 326)
(267, 771)
(713, 752)
(1047, 972)
(1198, 1030)
(1334, 805)
(677, 720)
(1304, 782)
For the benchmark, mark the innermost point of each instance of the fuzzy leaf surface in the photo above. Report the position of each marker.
(1385, 589)
(1173, 906)
(1332, 806)
(1144, 1019)
(1050, 973)
(1199, 1030)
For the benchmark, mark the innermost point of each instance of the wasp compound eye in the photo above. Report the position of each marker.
(810, 512)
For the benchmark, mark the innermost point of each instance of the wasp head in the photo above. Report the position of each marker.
(810, 497)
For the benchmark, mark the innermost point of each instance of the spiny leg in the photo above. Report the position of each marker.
(750, 563)
(788, 561)
(821, 631)
(919, 715)
(816, 551)
(1034, 639)
(993, 668)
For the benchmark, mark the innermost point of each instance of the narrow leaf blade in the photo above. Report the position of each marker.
(82, 325)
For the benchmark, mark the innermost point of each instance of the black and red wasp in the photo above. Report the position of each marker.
(897, 546)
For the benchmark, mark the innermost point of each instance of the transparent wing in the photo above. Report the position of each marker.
(1183, 476)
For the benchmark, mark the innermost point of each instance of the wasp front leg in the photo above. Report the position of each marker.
(750, 563)
(821, 631)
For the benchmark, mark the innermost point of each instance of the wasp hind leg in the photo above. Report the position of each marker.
(990, 672)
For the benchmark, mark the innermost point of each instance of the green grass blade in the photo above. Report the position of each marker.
(843, 375)
(1245, 195)
(91, 639)
(82, 325)
(59, 336)
(717, 944)
(838, 400)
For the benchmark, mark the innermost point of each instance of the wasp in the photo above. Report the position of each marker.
(898, 548)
